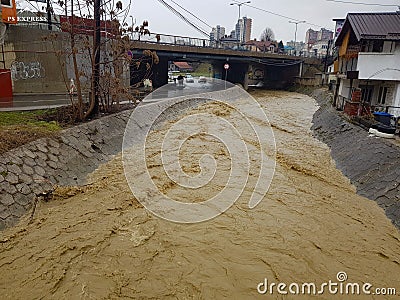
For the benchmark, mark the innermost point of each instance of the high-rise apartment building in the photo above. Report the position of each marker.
(217, 33)
(247, 29)
(324, 35)
(243, 29)
(311, 37)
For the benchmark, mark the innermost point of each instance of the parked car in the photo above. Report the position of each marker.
(202, 79)
(189, 78)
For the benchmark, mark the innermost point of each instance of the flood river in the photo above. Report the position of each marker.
(98, 242)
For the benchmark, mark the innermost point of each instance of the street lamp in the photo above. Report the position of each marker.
(295, 35)
(239, 4)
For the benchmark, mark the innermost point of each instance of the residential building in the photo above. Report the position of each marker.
(324, 35)
(217, 33)
(318, 41)
(243, 29)
(247, 29)
(261, 46)
(369, 63)
(320, 49)
(297, 47)
(181, 66)
(229, 42)
(311, 37)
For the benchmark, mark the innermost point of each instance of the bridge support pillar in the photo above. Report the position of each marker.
(281, 77)
(160, 73)
(246, 78)
(218, 70)
(237, 72)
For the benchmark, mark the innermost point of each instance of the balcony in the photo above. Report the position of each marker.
(379, 66)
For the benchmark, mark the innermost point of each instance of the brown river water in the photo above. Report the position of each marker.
(98, 242)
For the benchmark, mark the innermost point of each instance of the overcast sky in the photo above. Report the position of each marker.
(220, 12)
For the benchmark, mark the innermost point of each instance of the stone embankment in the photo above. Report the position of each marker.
(372, 164)
(32, 170)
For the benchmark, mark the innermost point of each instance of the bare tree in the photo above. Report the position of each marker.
(267, 35)
(116, 60)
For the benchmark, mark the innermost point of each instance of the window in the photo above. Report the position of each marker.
(372, 46)
(6, 3)
(382, 95)
(366, 93)
(378, 46)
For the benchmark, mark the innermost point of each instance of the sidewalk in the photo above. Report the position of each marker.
(30, 101)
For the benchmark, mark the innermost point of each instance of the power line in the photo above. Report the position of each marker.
(191, 14)
(182, 17)
(279, 15)
(362, 3)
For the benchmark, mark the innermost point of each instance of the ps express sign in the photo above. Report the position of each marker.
(8, 12)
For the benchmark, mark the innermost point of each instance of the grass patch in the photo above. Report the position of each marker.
(22, 118)
(203, 70)
(19, 128)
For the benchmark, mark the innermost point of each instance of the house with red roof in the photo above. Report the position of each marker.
(181, 66)
(261, 46)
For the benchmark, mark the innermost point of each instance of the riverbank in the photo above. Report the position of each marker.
(99, 242)
(33, 170)
(372, 164)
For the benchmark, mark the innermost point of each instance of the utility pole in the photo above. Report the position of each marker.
(327, 55)
(132, 24)
(96, 67)
(239, 4)
(295, 35)
(49, 15)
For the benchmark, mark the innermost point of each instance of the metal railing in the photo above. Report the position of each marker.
(171, 40)
(166, 39)
(174, 40)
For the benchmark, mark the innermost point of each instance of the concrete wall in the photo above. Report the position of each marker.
(372, 165)
(309, 81)
(31, 54)
(379, 66)
(35, 62)
(34, 168)
(277, 77)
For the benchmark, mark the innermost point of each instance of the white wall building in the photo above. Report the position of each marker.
(369, 61)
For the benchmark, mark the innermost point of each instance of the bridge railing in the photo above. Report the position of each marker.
(187, 41)
(172, 40)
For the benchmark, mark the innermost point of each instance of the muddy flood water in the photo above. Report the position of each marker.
(98, 242)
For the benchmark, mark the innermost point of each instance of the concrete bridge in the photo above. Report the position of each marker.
(274, 70)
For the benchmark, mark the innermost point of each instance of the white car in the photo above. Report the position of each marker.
(202, 79)
(189, 78)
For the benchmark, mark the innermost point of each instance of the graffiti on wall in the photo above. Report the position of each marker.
(24, 71)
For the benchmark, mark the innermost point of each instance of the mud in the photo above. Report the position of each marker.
(98, 242)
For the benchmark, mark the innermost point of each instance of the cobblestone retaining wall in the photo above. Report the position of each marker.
(34, 168)
(372, 164)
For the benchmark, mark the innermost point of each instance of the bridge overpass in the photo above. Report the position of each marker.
(275, 70)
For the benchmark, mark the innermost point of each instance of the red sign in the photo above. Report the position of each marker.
(6, 93)
(226, 66)
(9, 11)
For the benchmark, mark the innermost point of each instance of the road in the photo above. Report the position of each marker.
(98, 241)
(34, 101)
